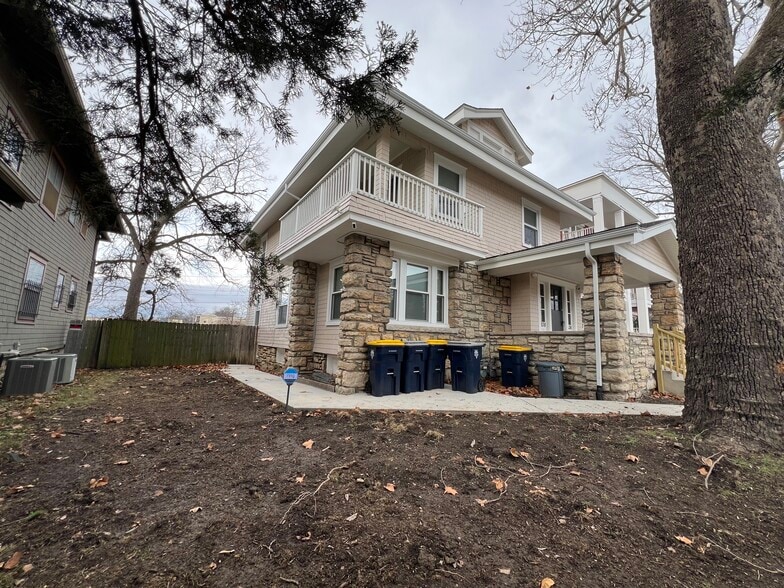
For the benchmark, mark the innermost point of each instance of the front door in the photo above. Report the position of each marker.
(556, 308)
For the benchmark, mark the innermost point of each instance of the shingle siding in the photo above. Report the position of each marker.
(31, 229)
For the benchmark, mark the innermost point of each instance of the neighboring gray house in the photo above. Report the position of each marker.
(55, 201)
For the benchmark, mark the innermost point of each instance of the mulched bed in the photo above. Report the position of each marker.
(219, 488)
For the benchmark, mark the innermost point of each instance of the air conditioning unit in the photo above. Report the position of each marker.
(65, 372)
(29, 375)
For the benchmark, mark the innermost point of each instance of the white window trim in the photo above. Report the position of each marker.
(41, 260)
(287, 287)
(548, 325)
(490, 141)
(402, 264)
(53, 155)
(538, 210)
(440, 160)
(332, 267)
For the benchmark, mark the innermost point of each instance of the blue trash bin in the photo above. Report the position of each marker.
(514, 365)
(386, 356)
(414, 368)
(436, 364)
(466, 362)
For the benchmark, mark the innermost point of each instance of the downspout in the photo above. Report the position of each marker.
(597, 333)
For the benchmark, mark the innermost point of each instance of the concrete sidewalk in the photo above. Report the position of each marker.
(304, 397)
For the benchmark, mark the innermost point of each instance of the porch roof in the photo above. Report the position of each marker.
(564, 259)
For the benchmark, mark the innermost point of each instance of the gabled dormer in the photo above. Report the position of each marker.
(492, 127)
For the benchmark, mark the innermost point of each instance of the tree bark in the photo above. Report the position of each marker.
(138, 276)
(728, 205)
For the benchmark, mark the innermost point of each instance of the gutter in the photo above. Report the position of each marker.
(597, 332)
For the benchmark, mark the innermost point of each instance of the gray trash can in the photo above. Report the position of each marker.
(551, 383)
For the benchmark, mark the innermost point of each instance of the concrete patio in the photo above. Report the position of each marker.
(306, 397)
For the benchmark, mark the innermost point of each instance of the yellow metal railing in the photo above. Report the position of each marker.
(669, 348)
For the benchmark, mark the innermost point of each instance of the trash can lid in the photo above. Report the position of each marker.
(437, 341)
(514, 348)
(387, 342)
(465, 344)
(551, 365)
(416, 343)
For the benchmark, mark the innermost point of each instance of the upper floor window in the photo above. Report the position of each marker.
(55, 174)
(73, 211)
(531, 226)
(282, 306)
(31, 289)
(12, 141)
(72, 294)
(336, 292)
(423, 290)
(449, 175)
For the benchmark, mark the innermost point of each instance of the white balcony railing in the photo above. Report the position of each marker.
(574, 232)
(359, 173)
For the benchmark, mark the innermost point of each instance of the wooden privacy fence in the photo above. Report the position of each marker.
(117, 343)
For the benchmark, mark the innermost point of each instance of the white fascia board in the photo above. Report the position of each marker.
(349, 216)
(643, 262)
(458, 137)
(630, 203)
(311, 154)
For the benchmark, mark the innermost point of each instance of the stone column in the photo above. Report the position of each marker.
(302, 316)
(364, 308)
(616, 365)
(667, 306)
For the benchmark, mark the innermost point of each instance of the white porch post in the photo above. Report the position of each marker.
(629, 317)
(620, 218)
(598, 208)
(643, 302)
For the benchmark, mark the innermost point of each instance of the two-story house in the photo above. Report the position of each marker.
(55, 203)
(436, 229)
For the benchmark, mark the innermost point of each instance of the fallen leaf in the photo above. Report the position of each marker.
(632, 458)
(308, 444)
(684, 540)
(226, 551)
(122, 462)
(56, 434)
(473, 442)
(500, 485)
(585, 448)
(449, 490)
(352, 517)
(304, 537)
(14, 561)
(196, 509)
(547, 583)
(389, 486)
(87, 420)
(27, 567)
(194, 413)
(505, 571)
(523, 472)
(575, 473)
(480, 501)
(703, 471)
(707, 461)
(519, 454)
(210, 446)
(267, 458)
(128, 443)
(213, 565)
(158, 493)
(300, 479)
(481, 461)
(99, 482)
(113, 419)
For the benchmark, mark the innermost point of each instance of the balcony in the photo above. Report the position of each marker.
(359, 173)
(574, 232)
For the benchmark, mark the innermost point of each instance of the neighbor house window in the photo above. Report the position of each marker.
(424, 292)
(53, 184)
(72, 294)
(336, 288)
(73, 211)
(12, 141)
(31, 289)
(531, 228)
(449, 177)
(58, 290)
(282, 306)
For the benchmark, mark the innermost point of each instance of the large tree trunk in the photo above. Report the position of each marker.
(728, 205)
(133, 298)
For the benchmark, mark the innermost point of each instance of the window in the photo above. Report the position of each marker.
(58, 290)
(495, 145)
(72, 293)
(336, 289)
(85, 228)
(282, 306)
(12, 141)
(73, 211)
(256, 316)
(31, 289)
(52, 185)
(450, 177)
(557, 305)
(542, 306)
(424, 298)
(530, 226)
(569, 310)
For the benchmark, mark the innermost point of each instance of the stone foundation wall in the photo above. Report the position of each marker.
(302, 316)
(479, 304)
(265, 359)
(319, 362)
(643, 364)
(567, 348)
(667, 306)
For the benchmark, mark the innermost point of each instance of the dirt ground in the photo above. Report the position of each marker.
(184, 477)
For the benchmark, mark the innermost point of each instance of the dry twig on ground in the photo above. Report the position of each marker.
(312, 493)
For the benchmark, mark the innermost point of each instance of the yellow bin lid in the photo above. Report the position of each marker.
(514, 348)
(437, 341)
(386, 342)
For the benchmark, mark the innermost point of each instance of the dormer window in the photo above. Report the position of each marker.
(477, 133)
